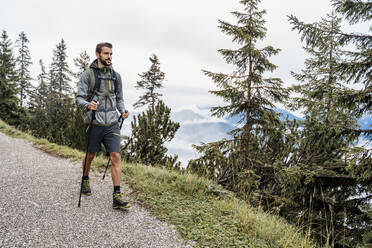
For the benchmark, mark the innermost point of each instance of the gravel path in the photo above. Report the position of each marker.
(39, 194)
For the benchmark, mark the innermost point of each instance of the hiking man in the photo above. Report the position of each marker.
(100, 95)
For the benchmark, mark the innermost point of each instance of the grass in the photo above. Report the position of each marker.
(199, 209)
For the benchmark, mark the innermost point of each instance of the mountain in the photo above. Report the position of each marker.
(185, 115)
(197, 126)
(283, 115)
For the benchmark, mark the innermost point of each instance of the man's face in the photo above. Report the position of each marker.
(105, 56)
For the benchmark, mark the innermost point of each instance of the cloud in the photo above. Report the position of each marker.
(183, 34)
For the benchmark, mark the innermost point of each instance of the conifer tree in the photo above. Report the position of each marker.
(356, 66)
(77, 133)
(249, 95)
(60, 102)
(9, 110)
(317, 178)
(39, 105)
(23, 63)
(60, 71)
(82, 63)
(150, 81)
(150, 130)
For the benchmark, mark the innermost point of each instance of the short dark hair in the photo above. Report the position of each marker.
(102, 44)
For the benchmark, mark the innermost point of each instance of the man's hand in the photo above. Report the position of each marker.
(93, 105)
(125, 114)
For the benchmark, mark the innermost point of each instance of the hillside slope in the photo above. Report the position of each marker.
(200, 210)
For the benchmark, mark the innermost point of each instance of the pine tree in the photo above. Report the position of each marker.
(39, 105)
(77, 136)
(9, 110)
(150, 81)
(60, 71)
(317, 178)
(23, 62)
(82, 63)
(250, 96)
(150, 130)
(356, 66)
(60, 103)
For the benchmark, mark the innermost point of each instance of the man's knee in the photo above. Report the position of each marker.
(115, 157)
(91, 155)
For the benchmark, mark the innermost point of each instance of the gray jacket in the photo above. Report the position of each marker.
(109, 101)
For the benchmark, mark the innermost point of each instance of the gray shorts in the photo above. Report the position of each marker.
(108, 135)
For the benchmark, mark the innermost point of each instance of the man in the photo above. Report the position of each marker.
(100, 94)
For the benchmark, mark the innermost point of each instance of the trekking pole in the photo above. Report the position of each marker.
(86, 153)
(121, 120)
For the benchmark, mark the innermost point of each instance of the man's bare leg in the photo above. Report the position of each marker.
(90, 157)
(115, 168)
(118, 201)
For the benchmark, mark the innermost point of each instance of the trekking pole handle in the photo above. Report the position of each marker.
(121, 119)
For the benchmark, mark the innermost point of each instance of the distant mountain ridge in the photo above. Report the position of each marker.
(197, 126)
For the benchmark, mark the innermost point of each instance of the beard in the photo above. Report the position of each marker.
(104, 62)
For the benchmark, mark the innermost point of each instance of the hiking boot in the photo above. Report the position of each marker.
(118, 201)
(85, 190)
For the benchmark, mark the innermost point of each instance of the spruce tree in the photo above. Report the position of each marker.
(150, 81)
(356, 66)
(9, 110)
(251, 96)
(60, 103)
(326, 197)
(23, 63)
(77, 136)
(39, 105)
(60, 71)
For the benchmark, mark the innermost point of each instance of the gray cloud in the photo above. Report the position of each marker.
(183, 34)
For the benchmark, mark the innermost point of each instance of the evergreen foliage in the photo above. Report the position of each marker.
(23, 63)
(77, 134)
(9, 110)
(39, 104)
(150, 130)
(326, 196)
(244, 163)
(53, 108)
(82, 63)
(60, 72)
(310, 171)
(150, 81)
(357, 64)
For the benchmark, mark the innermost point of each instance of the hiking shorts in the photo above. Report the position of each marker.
(108, 135)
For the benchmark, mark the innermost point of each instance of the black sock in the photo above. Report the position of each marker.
(117, 189)
(85, 177)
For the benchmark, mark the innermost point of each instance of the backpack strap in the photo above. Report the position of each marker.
(115, 79)
(95, 81)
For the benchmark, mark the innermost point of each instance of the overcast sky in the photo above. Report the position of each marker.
(183, 34)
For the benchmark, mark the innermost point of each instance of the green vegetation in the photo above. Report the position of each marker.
(312, 172)
(199, 209)
(153, 127)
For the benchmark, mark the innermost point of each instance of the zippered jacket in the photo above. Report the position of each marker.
(110, 102)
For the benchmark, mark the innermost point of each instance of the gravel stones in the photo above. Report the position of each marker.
(39, 195)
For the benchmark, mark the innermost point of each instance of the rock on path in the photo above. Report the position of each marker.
(39, 194)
